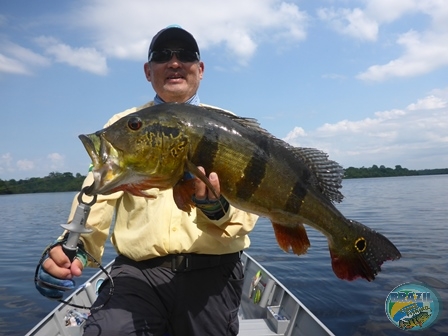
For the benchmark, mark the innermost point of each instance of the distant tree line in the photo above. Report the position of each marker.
(383, 171)
(58, 182)
(54, 182)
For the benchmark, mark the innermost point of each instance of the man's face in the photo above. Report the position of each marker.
(174, 81)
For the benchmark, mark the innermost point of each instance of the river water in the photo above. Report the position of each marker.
(411, 211)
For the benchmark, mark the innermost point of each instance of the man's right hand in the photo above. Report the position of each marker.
(55, 274)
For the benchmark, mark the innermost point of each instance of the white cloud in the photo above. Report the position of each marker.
(5, 160)
(25, 165)
(19, 60)
(389, 11)
(10, 65)
(52, 162)
(87, 59)
(297, 132)
(422, 50)
(123, 29)
(423, 53)
(389, 137)
(6, 165)
(56, 161)
(351, 22)
(429, 103)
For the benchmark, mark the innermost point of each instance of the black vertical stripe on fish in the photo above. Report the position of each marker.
(254, 173)
(295, 197)
(259, 173)
(206, 151)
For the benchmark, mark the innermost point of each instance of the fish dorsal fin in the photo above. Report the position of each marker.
(328, 173)
(243, 121)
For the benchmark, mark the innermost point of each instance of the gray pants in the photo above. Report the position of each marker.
(150, 300)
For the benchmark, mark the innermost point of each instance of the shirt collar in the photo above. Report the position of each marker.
(194, 100)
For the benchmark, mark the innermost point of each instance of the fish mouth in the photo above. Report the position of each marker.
(107, 171)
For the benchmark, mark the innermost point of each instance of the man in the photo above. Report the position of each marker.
(155, 292)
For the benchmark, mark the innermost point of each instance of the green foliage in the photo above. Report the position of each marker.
(54, 182)
(57, 182)
(382, 171)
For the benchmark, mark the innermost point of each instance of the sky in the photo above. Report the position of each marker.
(365, 81)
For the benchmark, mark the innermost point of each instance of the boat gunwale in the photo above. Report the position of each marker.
(245, 257)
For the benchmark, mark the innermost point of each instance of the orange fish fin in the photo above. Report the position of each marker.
(292, 237)
(361, 255)
(183, 192)
(347, 267)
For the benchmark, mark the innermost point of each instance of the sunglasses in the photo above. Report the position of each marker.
(165, 55)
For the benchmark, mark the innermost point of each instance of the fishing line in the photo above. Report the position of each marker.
(111, 289)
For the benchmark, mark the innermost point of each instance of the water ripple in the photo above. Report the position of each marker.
(410, 211)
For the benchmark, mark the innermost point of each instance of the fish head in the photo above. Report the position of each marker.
(136, 153)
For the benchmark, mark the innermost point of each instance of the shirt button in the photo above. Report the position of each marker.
(174, 229)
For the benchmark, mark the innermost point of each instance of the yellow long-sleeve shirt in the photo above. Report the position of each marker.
(145, 228)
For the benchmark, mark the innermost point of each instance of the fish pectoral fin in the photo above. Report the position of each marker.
(362, 254)
(292, 237)
(183, 192)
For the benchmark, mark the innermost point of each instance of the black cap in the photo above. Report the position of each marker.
(173, 33)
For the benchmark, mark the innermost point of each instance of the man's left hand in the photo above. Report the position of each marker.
(203, 193)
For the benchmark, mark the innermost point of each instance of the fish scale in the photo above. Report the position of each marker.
(258, 173)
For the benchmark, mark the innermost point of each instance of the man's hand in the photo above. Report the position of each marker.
(210, 202)
(202, 192)
(55, 274)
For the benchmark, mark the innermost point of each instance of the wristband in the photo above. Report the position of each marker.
(213, 209)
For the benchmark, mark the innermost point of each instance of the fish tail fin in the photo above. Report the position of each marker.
(362, 254)
(292, 237)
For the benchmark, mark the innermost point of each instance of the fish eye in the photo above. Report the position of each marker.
(135, 123)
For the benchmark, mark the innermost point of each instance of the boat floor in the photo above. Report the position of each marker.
(267, 308)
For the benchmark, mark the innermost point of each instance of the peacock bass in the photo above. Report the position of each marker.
(259, 173)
